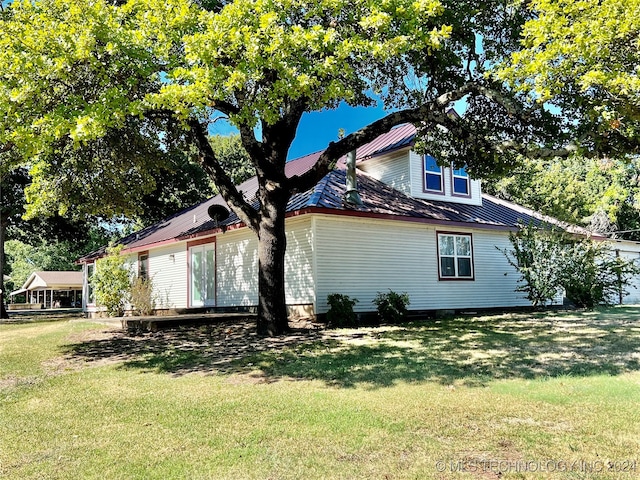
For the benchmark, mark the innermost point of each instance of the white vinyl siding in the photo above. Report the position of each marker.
(630, 253)
(237, 264)
(361, 257)
(237, 274)
(392, 170)
(168, 272)
(298, 262)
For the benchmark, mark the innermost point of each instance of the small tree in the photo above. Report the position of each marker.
(536, 255)
(550, 261)
(594, 275)
(112, 282)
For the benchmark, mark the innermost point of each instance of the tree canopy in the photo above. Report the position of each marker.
(602, 195)
(582, 56)
(104, 89)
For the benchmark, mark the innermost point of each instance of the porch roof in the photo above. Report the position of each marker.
(58, 280)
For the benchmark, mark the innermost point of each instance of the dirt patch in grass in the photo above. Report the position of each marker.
(470, 351)
(180, 350)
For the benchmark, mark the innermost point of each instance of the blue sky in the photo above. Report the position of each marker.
(317, 129)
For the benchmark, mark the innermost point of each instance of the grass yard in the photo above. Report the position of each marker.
(550, 395)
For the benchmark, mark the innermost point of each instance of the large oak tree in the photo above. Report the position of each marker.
(91, 76)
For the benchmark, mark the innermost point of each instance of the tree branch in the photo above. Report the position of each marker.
(228, 190)
(6, 147)
(434, 111)
(227, 108)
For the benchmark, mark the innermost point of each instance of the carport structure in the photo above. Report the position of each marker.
(50, 290)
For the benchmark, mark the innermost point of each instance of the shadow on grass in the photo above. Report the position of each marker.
(470, 350)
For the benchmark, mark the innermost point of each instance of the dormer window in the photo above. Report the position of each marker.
(432, 175)
(460, 181)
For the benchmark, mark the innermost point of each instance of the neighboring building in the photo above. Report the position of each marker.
(421, 229)
(50, 290)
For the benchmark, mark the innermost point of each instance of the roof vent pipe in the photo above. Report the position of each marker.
(352, 196)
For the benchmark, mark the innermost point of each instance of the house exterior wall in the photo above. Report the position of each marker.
(360, 257)
(237, 266)
(392, 170)
(168, 272)
(417, 184)
(237, 269)
(630, 251)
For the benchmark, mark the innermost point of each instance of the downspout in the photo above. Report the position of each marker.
(351, 195)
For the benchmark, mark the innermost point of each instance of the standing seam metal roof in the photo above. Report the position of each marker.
(378, 199)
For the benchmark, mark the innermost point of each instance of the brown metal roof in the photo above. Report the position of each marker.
(399, 137)
(378, 198)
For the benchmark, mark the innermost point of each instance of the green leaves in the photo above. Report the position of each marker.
(583, 56)
(112, 282)
(551, 261)
(601, 195)
(76, 68)
(262, 55)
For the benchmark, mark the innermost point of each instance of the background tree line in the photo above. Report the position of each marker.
(35, 243)
(602, 195)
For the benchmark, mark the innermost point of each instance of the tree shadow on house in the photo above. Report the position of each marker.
(468, 350)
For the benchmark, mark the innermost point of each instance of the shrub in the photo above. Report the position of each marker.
(112, 282)
(392, 306)
(341, 312)
(142, 297)
(594, 275)
(536, 255)
(549, 261)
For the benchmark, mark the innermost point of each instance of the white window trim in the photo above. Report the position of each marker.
(455, 256)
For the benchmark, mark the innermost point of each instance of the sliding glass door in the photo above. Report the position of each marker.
(203, 275)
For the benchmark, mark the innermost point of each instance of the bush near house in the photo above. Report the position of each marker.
(112, 282)
(392, 306)
(341, 312)
(592, 274)
(536, 255)
(550, 261)
(142, 297)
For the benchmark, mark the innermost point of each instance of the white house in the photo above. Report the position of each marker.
(421, 229)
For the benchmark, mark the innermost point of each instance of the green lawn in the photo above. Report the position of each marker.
(497, 396)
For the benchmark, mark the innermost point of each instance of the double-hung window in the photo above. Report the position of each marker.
(455, 256)
(432, 175)
(460, 181)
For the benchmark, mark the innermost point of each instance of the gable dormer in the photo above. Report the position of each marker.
(445, 183)
(420, 176)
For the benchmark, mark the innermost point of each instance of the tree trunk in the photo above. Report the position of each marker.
(3, 311)
(272, 244)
